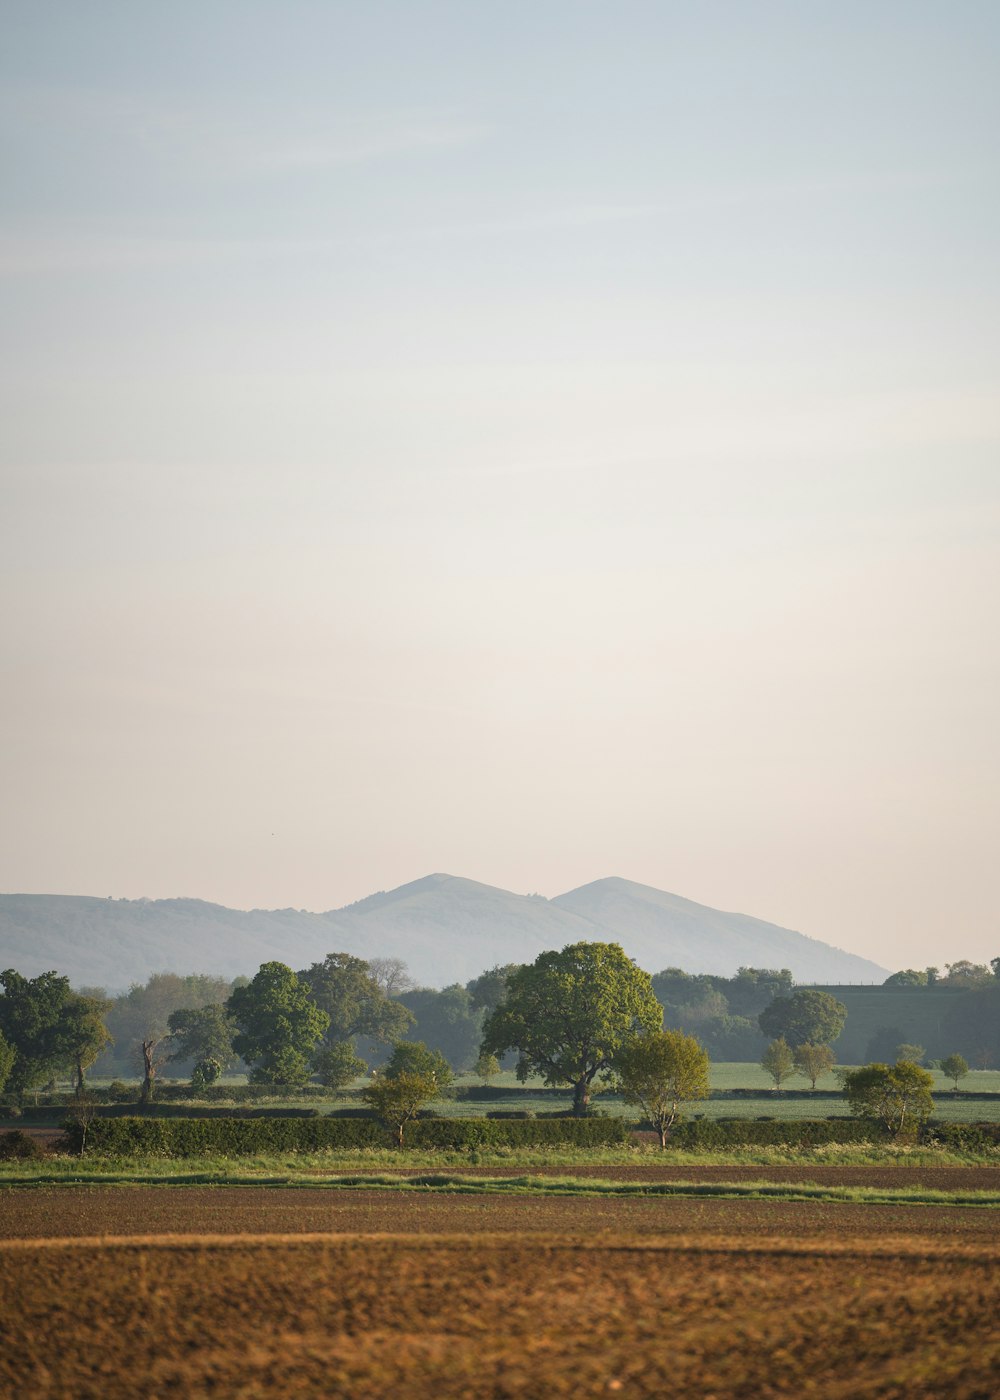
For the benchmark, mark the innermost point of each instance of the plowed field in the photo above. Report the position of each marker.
(496, 1316)
(250, 1210)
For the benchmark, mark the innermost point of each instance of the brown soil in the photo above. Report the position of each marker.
(48, 1212)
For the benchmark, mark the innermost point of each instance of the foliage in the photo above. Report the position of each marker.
(487, 1067)
(414, 1057)
(398, 1099)
(883, 1045)
(233, 1137)
(778, 1061)
(85, 1032)
(17, 1146)
(7, 1056)
(343, 987)
(892, 1094)
(968, 974)
(805, 1015)
(447, 1021)
(954, 1067)
(813, 1061)
(722, 1133)
(36, 1022)
(205, 1073)
(489, 989)
(661, 1071)
(913, 1053)
(202, 1033)
(279, 1025)
(719, 1009)
(909, 977)
(335, 1064)
(569, 1013)
(144, 1011)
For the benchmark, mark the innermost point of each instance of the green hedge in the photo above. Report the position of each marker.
(240, 1137)
(710, 1133)
(962, 1137)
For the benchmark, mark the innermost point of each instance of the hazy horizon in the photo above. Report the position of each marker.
(534, 443)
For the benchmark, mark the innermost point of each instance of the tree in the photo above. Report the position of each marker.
(414, 1057)
(907, 1051)
(7, 1057)
(278, 1025)
(659, 1072)
(968, 974)
(335, 1064)
(85, 1033)
(413, 1077)
(890, 1093)
(805, 1015)
(487, 1067)
(154, 1051)
(36, 1022)
(344, 989)
(909, 977)
(390, 975)
(955, 1067)
(778, 1061)
(447, 1021)
(205, 1073)
(569, 1013)
(489, 989)
(203, 1033)
(399, 1099)
(813, 1061)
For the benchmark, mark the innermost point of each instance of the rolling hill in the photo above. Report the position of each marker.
(445, 928)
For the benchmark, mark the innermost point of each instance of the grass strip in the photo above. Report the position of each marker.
(533, 1186)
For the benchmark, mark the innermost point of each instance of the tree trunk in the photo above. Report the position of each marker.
(581, 1097)
(148, 1072)
(80, 1085)
(400, 1135)
(663, 1136)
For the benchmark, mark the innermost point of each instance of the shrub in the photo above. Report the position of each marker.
(236, 1137)
(720, 1133)
(16, 1146)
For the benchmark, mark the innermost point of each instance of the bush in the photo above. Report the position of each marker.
(720, 1133)
(237, 1137)
(16, 1146)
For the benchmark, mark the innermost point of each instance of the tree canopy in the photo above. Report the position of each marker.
(278, 1025)
(805, 1015)
(343, 987)
(36, 1022)
(661, 1071)
(893, 1094)
(569, 1013)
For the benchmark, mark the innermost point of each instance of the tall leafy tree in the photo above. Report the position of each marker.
(569, 1013)
(805, 1015)
(36, 1022)
(813, 1061)
(778, 1061)
(343, 987)
(447, 1021)
(278, 1025)
(7, 1057)
(86, 1033)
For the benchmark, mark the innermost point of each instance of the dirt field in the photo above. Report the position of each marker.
(496, 1316)
(45, 1212)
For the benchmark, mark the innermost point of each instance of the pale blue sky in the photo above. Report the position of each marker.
(536, 441)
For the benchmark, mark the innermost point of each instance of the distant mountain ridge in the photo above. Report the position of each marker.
(446, 928)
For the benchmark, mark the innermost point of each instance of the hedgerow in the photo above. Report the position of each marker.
(239, 1137)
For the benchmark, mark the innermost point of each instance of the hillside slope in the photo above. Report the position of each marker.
(446, 929)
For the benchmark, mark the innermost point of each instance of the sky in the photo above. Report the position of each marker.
(534, 441)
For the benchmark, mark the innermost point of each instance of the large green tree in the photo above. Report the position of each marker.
(661, 1071)
(345, 988)
(7, 1057)
(569, 1013)
(278, 1025)
(36, 1022)
(805, 1015)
